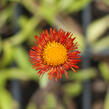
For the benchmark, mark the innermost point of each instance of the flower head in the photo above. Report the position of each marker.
(55, 53)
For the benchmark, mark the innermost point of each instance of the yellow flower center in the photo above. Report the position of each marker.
(54, 53)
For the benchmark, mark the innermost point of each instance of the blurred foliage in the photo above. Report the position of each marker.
(73, 89)
(34, 16)
(106, 1)
(94, 32)
(7, 54)
(27, 30)
(0, 44)
(106, 105)
(51, 101)
(44, 81)
(5, 100)
(82, 75)
(31, 106)
(104, 71)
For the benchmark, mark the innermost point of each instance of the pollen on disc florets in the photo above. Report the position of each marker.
(54, 53)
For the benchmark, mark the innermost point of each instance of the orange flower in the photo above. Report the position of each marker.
(54, 53)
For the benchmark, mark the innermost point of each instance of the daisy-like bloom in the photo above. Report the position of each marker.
(55, 53)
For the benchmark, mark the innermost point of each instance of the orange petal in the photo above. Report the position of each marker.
(73, 69)
(66, 74)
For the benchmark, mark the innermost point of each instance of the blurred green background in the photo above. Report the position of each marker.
(20, 21)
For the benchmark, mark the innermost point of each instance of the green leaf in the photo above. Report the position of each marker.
(7, 54)
(82, 75)
(6, 101)
(22, 59)
(77, 5)
(97, 28)
(48, 12)
(104, 70)
(80, 40)
(51, 101)
(31, 106)
(2, 80)
(106, 2)
(101, 45)
(106, 103)
(5, 15)
(16, 73)
(25, 33)
(0, 44)
(44, 80)
(64, 4)
(73, 89)
(23, 21)
(30, 5)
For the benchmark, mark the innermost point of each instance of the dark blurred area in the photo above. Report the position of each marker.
(20, 87)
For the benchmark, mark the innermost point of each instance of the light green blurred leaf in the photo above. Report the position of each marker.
(56, 7)
(30, 5)
(82, 75)
(5, 15)
(7, 54)
(0, 44)
(73, 89)
(51, 101)
(23, 21)
(80, 40)
(31, 106)
(2, 80)
(22, 59)
(106, 2)
(15, 73)
(44, 80)
(106, 103)
(25, 33)
(97, 28)
(77, 5)
(64, 4)
(104, 70)
(47, 12)
(101, 45)
(6, 101)
(30, 40)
